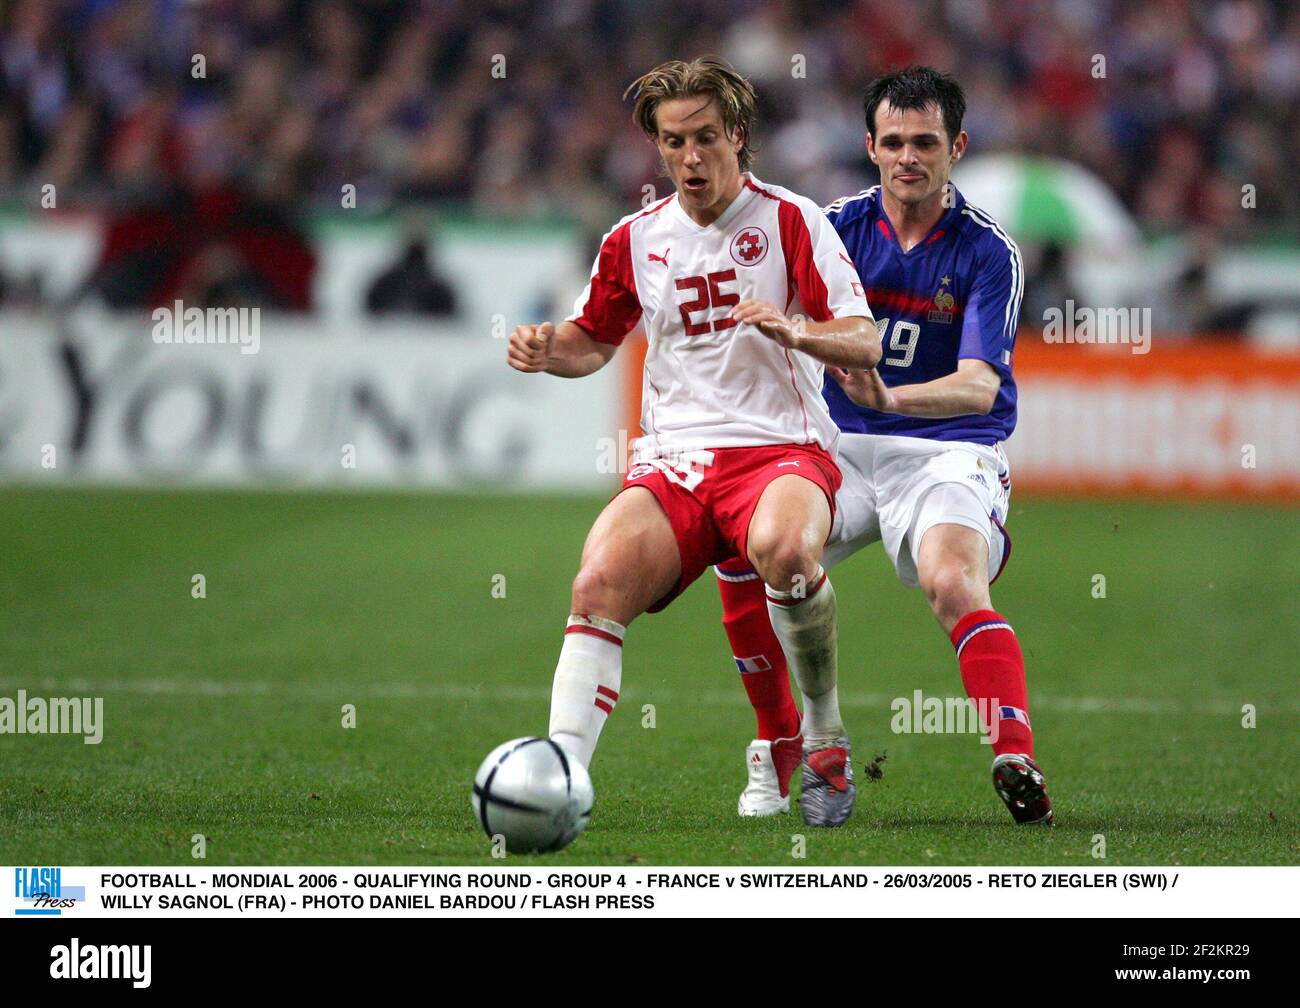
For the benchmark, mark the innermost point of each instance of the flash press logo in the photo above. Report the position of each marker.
(75, 961)
(41, 892)
(192, 326)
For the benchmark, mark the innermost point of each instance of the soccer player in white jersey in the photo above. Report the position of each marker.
(921, 443)
(737, 452)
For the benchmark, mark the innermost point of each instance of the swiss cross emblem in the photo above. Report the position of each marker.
(749, 246)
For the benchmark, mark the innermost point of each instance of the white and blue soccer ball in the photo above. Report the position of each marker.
(534, 794)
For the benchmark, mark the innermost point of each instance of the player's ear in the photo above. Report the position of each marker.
(871, 149)
(959, 145)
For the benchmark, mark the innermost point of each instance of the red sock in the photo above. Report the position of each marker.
(757, 652)
(993, 672)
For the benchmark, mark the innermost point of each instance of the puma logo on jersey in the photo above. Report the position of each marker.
(780, 464)
(663, 258)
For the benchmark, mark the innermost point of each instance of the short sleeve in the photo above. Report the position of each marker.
(819, 266)
(608, 308)
(992, 312)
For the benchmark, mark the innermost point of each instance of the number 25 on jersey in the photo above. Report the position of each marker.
(709, 296)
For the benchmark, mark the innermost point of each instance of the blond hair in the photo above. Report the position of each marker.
(707, 76)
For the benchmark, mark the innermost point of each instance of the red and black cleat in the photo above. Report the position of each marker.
(1020, 785)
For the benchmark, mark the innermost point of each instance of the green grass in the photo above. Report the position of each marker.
(223, 714)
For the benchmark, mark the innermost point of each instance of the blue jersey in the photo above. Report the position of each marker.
(955, 295)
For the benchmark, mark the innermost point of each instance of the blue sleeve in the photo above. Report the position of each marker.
(992, 312)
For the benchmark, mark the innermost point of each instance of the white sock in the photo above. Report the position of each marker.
(587, 680)
(806, 629)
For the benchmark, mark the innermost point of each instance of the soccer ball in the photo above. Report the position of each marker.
(534, 794)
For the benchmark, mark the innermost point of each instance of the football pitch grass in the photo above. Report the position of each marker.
(223, 715)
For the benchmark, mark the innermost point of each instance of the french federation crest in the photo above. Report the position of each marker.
(943, 303)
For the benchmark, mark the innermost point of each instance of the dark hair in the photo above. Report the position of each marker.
(707, 76)
(917, 87)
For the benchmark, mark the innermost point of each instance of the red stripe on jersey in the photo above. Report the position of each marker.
(801, 274)
(790, 285)
(613, 307)
(884, 300)
(607, 692)
(801, 268)
(793, 381)
(592, 631)
(653, 429)
(607, 708)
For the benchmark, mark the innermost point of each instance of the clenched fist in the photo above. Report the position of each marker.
(530, 346)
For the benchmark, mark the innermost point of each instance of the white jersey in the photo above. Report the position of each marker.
(709, 382)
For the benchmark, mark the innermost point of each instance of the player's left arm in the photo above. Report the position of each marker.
(850, 342)
(984, 354)
(839, 329)
(972, 388)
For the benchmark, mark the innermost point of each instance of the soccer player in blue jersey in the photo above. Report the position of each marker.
(921, 443)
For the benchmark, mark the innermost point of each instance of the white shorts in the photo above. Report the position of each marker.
(897, 488)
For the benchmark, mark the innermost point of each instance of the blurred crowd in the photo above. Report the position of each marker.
(209, 127)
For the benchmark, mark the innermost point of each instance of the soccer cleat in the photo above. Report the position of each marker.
(1020, 785)
(770, 766)
(828, 792)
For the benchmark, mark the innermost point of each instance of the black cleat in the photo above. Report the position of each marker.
(1020, 785)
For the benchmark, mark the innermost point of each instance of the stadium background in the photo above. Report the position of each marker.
(384, 515)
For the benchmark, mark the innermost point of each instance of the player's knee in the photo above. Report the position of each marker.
(594, 591)
(952, 590)
(784, 562)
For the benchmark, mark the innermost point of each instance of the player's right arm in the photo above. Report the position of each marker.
(566, 350)
(605, 312)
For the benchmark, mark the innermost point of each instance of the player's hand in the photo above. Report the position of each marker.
(864, 387)
(770, 321)
(529, 347)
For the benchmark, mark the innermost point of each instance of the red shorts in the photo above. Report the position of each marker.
(709, 497)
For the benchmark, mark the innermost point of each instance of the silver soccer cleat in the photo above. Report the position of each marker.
(828, 789)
